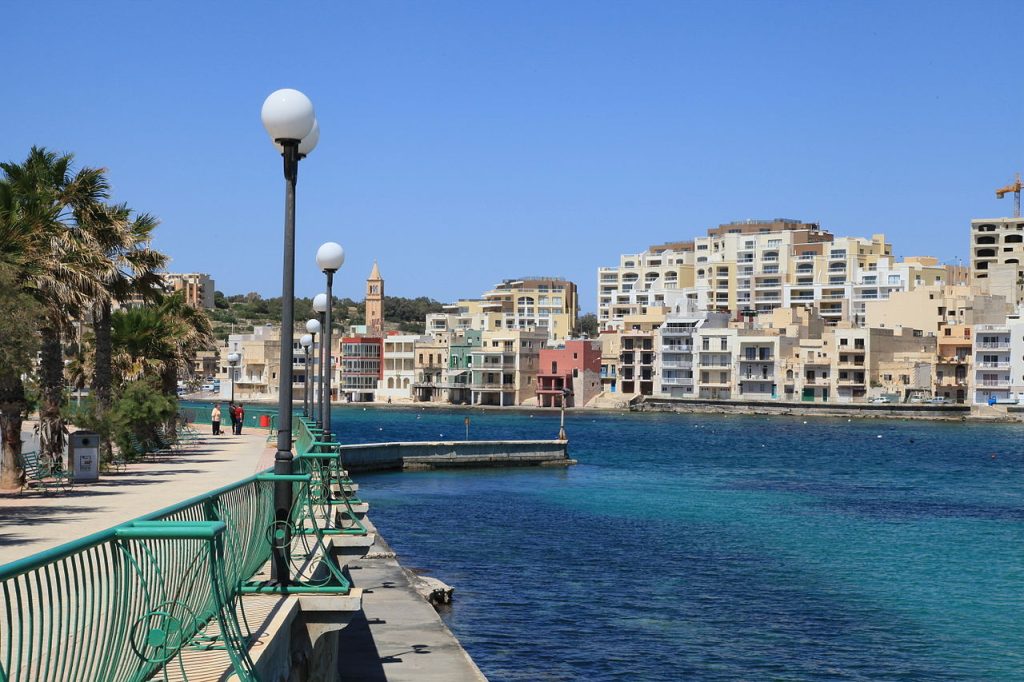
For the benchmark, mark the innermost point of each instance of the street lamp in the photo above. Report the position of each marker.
(306, 341)
(329, 257)
(320, 308)
(290, 121)
(561, 421)
(313, 327)
(233, 359)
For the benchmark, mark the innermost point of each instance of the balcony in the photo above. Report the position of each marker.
(764, 358)
(1002, 344)
(1000, 364)
(677, 381)
(756, 377)
(676, 348)
(492, 387)
(850, 381)
(722, 364)
(677, 364)
(1005, 382)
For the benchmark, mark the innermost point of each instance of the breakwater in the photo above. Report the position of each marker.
(448, 454)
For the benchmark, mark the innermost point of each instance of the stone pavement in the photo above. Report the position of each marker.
(33, 521)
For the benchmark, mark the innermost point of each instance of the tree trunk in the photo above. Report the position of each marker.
(102, 373)
(169, 386)
(12, 409)
(51, 424)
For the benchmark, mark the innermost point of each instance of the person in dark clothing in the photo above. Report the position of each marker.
(231, 413)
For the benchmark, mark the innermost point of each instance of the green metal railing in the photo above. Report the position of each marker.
(124, 603)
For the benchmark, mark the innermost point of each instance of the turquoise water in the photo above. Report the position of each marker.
(685, 547)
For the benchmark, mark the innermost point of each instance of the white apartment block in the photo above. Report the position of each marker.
(674, 345)
(998, 361)
(658, 277)
(715, 368)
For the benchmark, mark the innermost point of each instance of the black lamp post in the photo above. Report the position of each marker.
(313, 327)
(320, 308)
(329, 257)
(290, 120)
(306, 341)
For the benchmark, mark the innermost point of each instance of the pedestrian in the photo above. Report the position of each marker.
(215, 419)
(239, 418)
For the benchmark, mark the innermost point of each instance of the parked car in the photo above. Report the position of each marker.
(939, 400)
(879, 399)
(917, 398)
(209, 388)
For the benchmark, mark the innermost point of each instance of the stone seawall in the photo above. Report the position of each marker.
(440, 454)
(775, 407)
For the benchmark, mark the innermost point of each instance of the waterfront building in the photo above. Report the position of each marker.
(715, 349)
(374, 303)
(892, 360)
(574, 365)
(953, 363)
(206, 364)
(361, 368)
(257, 371)
(611, 346)
(995, 242)
(430, 366)
(457, 376)
(503, 370)
(398, 369)
(197, 287)
(637, 352)
(931, 308)
(549, 303)
(998, 371)
(674, 350)
(759, 370)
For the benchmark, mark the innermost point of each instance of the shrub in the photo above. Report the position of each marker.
(139, 412)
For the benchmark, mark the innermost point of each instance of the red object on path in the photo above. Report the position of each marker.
(265, 421)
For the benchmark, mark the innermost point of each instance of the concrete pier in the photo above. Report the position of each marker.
(442, 454)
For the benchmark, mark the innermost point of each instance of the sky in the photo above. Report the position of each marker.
(463, 143)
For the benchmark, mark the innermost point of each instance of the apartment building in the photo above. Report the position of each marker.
(658, 277)
(674, 343)
(256, 374)
(890, 360)
(398, 367)
(953, 363)
(361, 368)
(197, 287)
(503, 370)
(931, 308)
(430, 367)
(458, 375)
(998, 352)
(611, 346)
(995, 242)
(637, 353)
(715, 348)
(759, 370)
(762, 265)
(574, 366)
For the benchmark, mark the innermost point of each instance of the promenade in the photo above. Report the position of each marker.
(35, 521)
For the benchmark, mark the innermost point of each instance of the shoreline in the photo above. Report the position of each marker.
(942, 413)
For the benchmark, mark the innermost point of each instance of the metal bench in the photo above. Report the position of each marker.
(44, 474)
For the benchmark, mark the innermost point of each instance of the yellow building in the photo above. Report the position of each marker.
(503, 370)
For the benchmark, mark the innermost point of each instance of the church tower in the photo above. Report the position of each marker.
(375, 303)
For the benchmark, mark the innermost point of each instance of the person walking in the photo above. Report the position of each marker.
(231, 413)
(239, 419)
(215, 419)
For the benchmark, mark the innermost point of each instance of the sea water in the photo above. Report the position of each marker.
(719, 547)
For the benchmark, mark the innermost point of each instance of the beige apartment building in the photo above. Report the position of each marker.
(931, 307)
(894, 361)
(430, 364)
(657, 277)
(549, 303)
(503, 370)
(197, 286)
(611, 347)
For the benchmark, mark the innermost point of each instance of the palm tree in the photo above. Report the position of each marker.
(56, 262)
(131, 273)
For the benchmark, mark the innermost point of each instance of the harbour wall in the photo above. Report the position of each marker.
(791, 408)
(447, 454)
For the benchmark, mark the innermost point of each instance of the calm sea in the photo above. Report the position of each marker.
(720, 548)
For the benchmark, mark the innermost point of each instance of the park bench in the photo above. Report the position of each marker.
(43, 474)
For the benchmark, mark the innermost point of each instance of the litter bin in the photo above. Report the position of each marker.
(265, 421)
(84, 456)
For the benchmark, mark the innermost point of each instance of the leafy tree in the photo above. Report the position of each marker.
(140, 412)
(587, 324)
(21, 315)
(219, 302)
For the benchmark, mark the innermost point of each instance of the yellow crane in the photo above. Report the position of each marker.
(1016, 187)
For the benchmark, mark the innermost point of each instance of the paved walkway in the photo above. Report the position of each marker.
(34, 521)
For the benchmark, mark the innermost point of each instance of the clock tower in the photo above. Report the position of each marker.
(375, 302)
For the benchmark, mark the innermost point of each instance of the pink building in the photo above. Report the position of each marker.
(575, 366)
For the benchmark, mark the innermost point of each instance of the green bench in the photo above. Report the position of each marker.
(45, 475)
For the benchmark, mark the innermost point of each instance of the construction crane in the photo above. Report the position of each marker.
(1015, 188)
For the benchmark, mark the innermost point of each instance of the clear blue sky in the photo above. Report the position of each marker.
(465, 142)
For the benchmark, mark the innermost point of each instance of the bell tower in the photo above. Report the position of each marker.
(375, 302)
